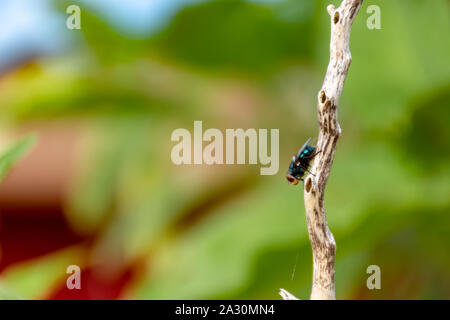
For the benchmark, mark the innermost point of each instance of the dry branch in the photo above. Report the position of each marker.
(322, 241)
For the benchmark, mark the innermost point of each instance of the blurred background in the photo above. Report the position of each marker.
(99, 190)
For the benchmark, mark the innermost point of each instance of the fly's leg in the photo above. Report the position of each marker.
(315, 154)
(306, 169)
(311, 157)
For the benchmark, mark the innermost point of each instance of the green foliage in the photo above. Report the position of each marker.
(236, 35)
(37, 278)
(427, 137)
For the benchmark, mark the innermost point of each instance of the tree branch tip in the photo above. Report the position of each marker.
(286, 295)
(331, 9)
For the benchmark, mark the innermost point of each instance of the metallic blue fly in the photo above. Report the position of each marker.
(300, 163)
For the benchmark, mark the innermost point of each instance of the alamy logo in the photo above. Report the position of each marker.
(74, 20)
(374, 20)
(235, 140)
(74, 280)
(374, 280)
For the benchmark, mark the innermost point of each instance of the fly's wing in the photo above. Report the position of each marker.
(302, 148)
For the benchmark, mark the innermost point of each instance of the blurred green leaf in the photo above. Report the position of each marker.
(14, 153)
(426, 138)
(6, 293)
(236, 35)
(37, 278)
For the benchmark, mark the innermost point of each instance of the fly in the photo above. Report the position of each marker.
(300, 163)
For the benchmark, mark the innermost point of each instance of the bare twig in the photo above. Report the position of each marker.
(322, 241)
(287, 295)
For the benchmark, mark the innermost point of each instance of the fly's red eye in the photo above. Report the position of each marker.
(291, 179)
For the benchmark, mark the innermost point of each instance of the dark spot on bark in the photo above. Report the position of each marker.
(329, 126)
(314, 240)
(326, 145)
(334, 142)
(327, 106)
(308, 185)
(352, 12)
(323, 97)
(336, 17)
